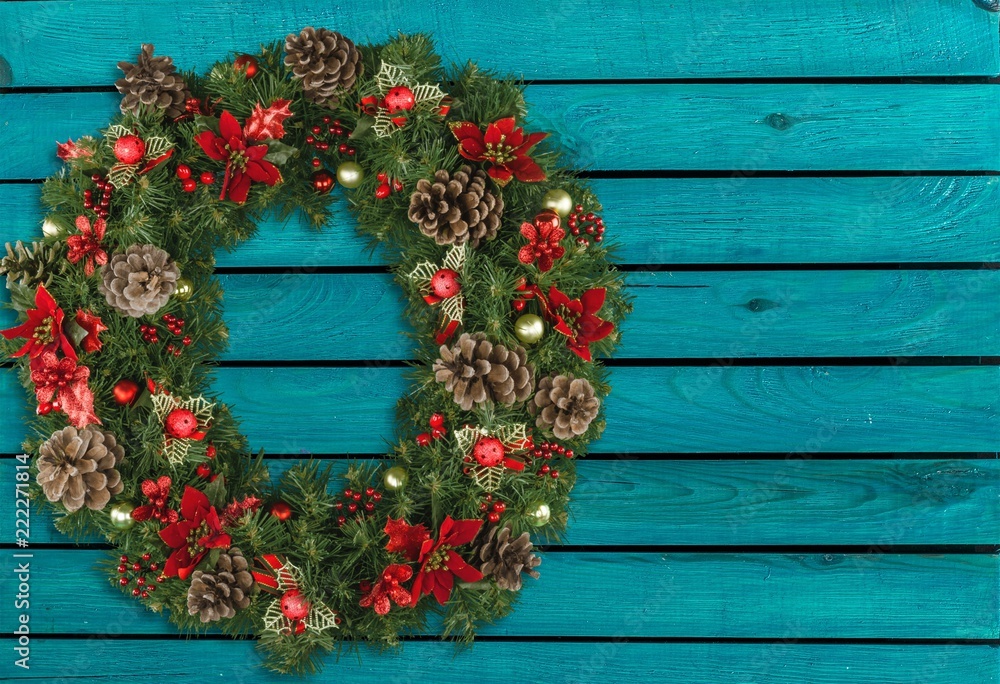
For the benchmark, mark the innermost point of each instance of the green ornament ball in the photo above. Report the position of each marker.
(350, 174)
(121, 516)
(529, 328)
(558, 201)
(395, 478)
(185, 288)
(539, 513)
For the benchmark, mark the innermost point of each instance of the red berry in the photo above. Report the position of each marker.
(369, 491)
(436, 420)
(203, 470)
(145, 594)
(136, 592)
(499, 507)
(186, 341)
(207, 177)
(123, 581)
(44, 409)
(146, 556)
(397, 185)
(369, 506)
(316, 162)
(377, 496)
(348, 492)
(519, 304)
(188, 185)
(56, 405)
(341, 520)
(383, 191)
(352, 507)
(340, 505)
(494, 517)
(555, 474)
(423, 439)
(183, 171)
(484, 507)
(343, 147)
(141, 581)
(122, 569)
(136, 567)
(356, 496)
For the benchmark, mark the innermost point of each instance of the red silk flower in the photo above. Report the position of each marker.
(43, 330)
(543, 238)
(192, 537)
(157, 491)
(504, 147)
(388, 588)
(93, 326)
(577, 319)
(405, 539)
(245, 163)
(440, 564)
(87, 245)
(51, 374)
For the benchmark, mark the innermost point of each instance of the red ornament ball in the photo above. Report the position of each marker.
(488, 452)
(399, 99)
(183, 171)
(126, 392)
(129, 149)
(281, 510)
(247, 64)
(294, 605)
(444, 284)
(322, 181)
(181, 423)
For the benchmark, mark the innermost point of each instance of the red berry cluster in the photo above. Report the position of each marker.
(545, 451)
(102, 206)
(388, 186)
(323, 137)
(498, 508)
(352, 501)
(521, 299)
(205, 472)
(188, 183)
(151, 335)
(585, 227)
(437, 430)
(137, 573)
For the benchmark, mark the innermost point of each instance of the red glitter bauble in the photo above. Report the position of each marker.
(181, 423)
(488, 452)
(444, 284)
(399, 99)
(125, 392)
(247, 64)
(129, 149)
(294, 605)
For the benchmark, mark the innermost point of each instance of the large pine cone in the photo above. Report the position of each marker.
(565, 404)
(219, 594)
(140, 281)
(79, 467)
(327, 63)
(457, 208)
(150, 84)
(33, 265)
(504, 559)
(478, 371)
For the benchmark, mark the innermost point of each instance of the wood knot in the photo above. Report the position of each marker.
(758, 304)
(780, 122)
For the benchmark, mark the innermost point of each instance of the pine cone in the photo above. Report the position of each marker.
(78, 467)
(219, 594)
(457, 208)
(478, 371)
(32, 266)
(504, 560)
(151, 84)
(140, 281)
(325, 61)
(564, 404)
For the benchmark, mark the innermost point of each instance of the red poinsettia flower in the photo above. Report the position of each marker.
(388, 588)
(157, 491)
(577, 319)
(192, 537)
(43, 329)
(440, 564)
(94, 326)
(543, 238)
(504, 147)
(245, 161)
(405, 539)
(51, 374)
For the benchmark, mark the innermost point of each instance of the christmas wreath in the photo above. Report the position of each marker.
(499, 250)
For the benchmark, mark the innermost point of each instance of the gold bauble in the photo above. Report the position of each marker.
(529, 328)
(121, 516)
(539, 513)
(350, 174)
(558, 201)
(51, 229)
(185, 288)
(395, 478)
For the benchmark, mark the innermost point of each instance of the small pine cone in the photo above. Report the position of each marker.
(220, 594)
(326, 62)
(478, 371)
(32, 266)
(564, 404)
(140, 281)
(504, 559)
(79, 467)
(456, 208)
(151, 83)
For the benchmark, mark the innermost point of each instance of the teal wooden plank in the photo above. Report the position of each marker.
(693, 221)
(716, 408)
(746, 128)
(580, 663)
(612, 594)
(866, 502)
(686, 39)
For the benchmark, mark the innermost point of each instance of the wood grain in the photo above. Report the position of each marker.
(875, 503)
(88, 659)
(715, 408)
(704, 595)
(745, 128)
(680, 39)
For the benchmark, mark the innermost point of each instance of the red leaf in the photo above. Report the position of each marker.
(267, 123)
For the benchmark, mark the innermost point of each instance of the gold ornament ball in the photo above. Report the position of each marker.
(558, 201)
(121, 515)
(185, 288)
(395, 478)
(539, 514)
(529, 328)
(350, 174)
(51, 229)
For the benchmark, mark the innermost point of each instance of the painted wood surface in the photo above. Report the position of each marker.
(719, 221)
(686, 39)
(868, 503)
(744, 127)
(563, 662)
